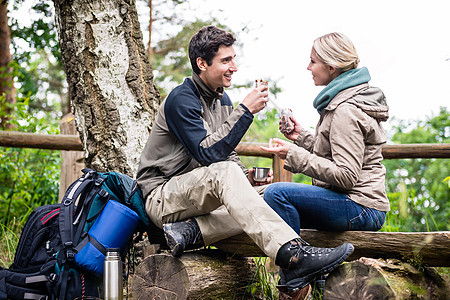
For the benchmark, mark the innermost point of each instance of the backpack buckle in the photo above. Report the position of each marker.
(102, 193)
(52, 277)
(70, 254)
(99, 181)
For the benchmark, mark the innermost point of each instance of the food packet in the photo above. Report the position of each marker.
(286, 126)
(259, 82)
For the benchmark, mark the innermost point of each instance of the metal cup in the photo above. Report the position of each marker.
(260, 174)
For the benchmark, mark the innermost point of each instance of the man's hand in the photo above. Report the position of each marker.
(278, 147)
(254, 183)
(257, 99)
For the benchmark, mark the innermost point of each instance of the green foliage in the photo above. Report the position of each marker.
(264, 280)
(9, 240)
(39, 74)
(418, 189)
(170, 59)
(29, 177)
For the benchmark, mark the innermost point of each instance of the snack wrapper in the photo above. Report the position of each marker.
(287, 126)
(259, 82)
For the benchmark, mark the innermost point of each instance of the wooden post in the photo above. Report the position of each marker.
(279, 173)
(72, 161)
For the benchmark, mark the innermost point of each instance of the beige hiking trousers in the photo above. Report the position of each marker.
(224, 204)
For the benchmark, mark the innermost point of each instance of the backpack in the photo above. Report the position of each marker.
(44, 265)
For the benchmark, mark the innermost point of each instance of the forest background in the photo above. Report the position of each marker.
(418, 189)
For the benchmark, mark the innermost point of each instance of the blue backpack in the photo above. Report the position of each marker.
(45, 264)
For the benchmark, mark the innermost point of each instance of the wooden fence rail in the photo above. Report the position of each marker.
(72, 142)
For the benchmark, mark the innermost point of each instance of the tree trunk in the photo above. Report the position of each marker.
(195, 275)
(111, 87)
(6, 80)
(369, 278)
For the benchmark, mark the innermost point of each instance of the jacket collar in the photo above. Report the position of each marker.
(345, 95)
(205, 92)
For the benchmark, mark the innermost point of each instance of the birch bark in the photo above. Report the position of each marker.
(110, 80)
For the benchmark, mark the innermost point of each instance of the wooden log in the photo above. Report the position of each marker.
(369, 278)
(389, 151)
(160, 276)
(72, 161)
(40, 141)
(416, 151)
(431, 248)
(203, 274)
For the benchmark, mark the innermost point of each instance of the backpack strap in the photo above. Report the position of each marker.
(66, 212)
(66, 224)
(90, 239)
(33, 296)
(86, 205)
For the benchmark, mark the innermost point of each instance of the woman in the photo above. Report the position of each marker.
(344, 156)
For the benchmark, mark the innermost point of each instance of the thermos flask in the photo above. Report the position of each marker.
(112, 275)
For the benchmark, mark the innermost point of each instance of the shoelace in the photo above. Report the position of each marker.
(303, 246)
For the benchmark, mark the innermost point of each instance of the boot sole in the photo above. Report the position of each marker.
(299, 283)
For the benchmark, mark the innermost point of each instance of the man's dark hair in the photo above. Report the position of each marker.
(205, 44)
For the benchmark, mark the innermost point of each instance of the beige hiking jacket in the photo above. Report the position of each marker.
(345, 153)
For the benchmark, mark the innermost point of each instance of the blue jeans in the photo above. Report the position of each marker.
(308, 206)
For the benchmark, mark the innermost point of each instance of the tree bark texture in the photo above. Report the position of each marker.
(111, 87)
(195, 275)
(6, 80)
(369, 278)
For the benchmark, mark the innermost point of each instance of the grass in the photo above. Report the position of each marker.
(9, 239)
(266, 278)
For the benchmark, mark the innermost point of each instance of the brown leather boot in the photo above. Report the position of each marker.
(300, 294)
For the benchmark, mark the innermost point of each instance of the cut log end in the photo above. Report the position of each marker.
(202, 274)
(160, 276)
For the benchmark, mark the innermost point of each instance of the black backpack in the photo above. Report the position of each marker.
(44, 266)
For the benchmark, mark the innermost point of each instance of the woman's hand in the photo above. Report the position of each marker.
(293, 135)
(254, 183)
(278, 147)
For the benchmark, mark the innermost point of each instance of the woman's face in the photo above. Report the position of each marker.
(322, 73)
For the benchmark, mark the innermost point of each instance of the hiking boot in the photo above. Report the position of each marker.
(180, 235)
(300, 294)
(301, 264)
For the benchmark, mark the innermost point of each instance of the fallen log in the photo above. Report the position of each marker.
(430, 248)
(202, 274)
(369, 278)
(205, 281)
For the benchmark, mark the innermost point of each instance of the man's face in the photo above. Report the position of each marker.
(219, 73)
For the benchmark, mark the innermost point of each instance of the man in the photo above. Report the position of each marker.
(194, 184)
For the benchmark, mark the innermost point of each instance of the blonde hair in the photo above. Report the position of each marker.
(335, 49)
